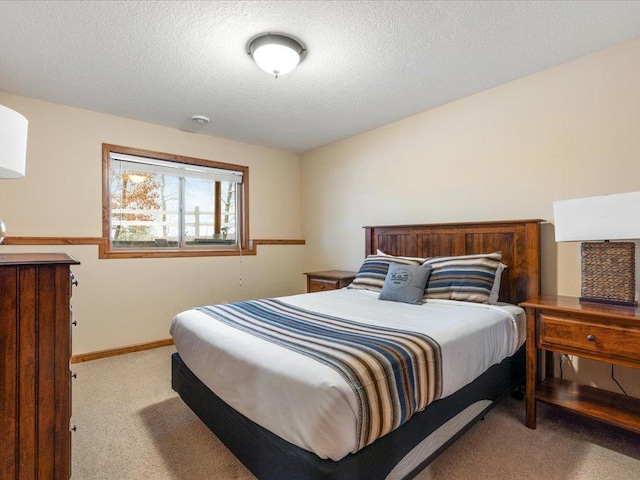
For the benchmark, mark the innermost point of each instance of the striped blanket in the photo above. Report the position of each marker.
(393, 373)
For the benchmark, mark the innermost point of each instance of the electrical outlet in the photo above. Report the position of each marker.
(566, 358)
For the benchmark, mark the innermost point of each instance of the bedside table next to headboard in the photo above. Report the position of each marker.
(605, 333)
(328, 280)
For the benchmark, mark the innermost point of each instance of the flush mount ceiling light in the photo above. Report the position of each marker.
(275, 53)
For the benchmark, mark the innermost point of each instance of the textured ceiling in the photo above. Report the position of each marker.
(369, 63)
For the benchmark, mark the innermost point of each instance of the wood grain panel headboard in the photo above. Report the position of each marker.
(518, 240)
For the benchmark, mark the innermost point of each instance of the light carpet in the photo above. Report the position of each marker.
(131, 425)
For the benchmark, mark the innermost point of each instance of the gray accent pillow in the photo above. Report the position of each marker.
(374, 270)
(405, 283)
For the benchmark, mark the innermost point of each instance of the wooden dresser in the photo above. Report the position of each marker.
(609, 334)
(35, 380)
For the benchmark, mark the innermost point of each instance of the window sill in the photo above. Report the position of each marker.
(168, 253)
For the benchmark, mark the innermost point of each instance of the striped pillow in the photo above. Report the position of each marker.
(468, 278)
(374, 270)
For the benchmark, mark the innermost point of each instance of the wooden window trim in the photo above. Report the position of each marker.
(246, 248)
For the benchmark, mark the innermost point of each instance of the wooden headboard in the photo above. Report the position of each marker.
(518, 240)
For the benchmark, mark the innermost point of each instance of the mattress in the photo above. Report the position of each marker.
(309, 404)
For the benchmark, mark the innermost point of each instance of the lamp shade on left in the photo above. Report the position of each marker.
(13, 143)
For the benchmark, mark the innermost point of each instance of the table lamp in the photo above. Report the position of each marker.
(608, 268)
(13, 148)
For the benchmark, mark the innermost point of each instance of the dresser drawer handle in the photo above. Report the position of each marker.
(321, 287)
(73, 429)
(74, 375)
(74, 323)
(591, 338)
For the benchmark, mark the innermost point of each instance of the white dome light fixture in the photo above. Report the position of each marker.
(275, 53)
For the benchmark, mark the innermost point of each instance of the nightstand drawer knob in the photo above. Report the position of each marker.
(591, 338)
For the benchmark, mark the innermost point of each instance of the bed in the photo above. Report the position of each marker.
(305, 434)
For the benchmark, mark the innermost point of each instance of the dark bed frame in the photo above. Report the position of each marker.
(269, 457)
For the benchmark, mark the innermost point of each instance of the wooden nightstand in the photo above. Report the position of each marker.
(328, 280)
(609, 334)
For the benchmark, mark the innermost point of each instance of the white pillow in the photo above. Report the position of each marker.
(495, 289)
(380, 253)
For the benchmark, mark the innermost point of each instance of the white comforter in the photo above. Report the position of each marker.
(308, 403)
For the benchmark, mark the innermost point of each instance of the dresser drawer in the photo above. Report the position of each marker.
(580, 337)
(321, 285)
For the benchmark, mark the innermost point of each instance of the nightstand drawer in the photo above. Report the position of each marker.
(328, 280)
(580, 337)
(317, 285)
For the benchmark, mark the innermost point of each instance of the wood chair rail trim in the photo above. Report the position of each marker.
(99, 241)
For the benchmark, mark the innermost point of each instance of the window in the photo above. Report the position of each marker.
(158, 204)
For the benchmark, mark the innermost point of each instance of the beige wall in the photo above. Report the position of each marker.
(123, 302)
(506, 153)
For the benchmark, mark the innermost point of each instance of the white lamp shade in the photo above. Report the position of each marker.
(606, 217)
(13, 143)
